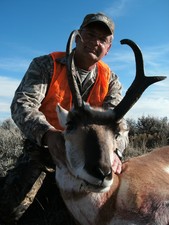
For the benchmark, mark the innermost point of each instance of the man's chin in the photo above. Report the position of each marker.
(93, 57)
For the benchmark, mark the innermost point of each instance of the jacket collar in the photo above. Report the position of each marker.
(62, 60)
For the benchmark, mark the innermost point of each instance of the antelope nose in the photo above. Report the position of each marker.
(105, 173)
(101, 172)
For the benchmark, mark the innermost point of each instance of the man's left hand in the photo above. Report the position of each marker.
(117, 164)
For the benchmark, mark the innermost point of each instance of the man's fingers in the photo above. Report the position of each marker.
(117, 165)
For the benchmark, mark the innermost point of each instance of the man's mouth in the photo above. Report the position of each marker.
(91, 50)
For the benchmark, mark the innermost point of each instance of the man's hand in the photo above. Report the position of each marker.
(55, 141)
(117, 164)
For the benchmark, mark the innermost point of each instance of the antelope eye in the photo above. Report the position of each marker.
(70, 125)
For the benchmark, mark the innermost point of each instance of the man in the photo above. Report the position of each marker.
(45, 84)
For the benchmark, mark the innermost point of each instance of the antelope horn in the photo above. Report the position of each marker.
(71, 72)
(140, 83)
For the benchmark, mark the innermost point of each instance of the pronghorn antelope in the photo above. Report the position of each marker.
(91, 191)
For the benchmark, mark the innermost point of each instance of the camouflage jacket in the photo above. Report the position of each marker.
(32, 90)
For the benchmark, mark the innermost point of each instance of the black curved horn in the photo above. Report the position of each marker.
(71, 72)
(140, 83)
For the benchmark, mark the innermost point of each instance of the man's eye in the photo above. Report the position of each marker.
(103, 40)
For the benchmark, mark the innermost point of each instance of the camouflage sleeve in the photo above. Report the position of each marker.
(112, 99)
(114, 94)
(28, 97)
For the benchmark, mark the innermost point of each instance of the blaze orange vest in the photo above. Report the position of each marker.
(59, 91)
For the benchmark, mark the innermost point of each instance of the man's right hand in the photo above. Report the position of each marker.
(54, 140)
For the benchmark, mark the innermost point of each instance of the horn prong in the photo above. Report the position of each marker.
(139, 85)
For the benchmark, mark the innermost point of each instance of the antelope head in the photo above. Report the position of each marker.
(89, 156)
(90, 132)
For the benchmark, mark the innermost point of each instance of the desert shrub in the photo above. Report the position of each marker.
(11, 141)
(147, 133)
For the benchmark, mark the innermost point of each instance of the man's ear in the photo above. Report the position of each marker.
(78, 37)
(108, 49)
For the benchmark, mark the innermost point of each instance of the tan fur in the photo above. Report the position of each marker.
(140, 195)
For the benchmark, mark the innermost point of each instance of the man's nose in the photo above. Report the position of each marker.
(95, 40)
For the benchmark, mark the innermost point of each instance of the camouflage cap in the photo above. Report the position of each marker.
(98, 17)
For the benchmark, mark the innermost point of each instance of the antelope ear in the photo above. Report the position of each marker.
(62, 115)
